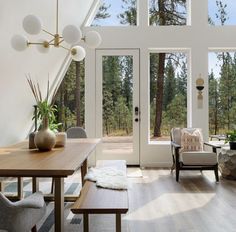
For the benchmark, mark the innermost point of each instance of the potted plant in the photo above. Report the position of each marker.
(231, 138)
(45, 138)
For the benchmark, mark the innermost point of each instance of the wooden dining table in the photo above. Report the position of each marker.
(19, 161)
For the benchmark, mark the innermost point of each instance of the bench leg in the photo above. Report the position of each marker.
(118, 222)
(86, 222)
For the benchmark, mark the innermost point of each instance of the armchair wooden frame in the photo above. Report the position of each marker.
(178, 165)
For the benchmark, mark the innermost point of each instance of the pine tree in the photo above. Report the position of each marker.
(164, 12)
(129, 14)
(213, 104)
(169, 84)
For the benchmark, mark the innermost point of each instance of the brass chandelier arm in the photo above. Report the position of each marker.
(57, 19)
(34, 43)
(47, 32)
(64, 48)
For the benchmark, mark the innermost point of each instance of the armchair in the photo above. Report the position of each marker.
(188, 152)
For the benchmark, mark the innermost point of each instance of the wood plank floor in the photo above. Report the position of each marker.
(196, 203)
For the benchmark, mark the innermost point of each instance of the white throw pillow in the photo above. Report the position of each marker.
(191, 140)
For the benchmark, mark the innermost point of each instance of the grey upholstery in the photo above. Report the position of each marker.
(76, 132)
(189, 159)
(22, 215)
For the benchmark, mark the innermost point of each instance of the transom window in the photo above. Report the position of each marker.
(116, 13)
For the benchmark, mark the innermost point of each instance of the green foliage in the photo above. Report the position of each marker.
(129, 14)
(168, 12)
(230, 136)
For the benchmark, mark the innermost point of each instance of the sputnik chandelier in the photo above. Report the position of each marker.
(70, 34)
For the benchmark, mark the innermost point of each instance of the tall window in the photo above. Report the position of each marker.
(168, 93)
(164, 13)
(116, 13)
(222, 12)
(70, 97)
(222, 92)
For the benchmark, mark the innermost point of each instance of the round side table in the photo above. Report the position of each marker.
(227, 163)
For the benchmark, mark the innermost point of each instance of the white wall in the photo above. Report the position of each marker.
(16, 100)
(196, 39)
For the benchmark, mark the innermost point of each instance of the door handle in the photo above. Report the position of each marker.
(136, 110)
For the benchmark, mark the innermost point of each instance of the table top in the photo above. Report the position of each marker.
(18, 160)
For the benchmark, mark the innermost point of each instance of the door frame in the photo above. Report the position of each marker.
(135, 53)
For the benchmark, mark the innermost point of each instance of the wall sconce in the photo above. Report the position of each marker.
(200, 87)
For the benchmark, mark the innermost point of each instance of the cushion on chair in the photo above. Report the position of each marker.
(191, 140)
(198, 158)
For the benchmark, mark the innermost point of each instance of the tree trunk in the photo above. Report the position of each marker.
(61, 110)
(160, 77)
(159, 95)
(77, 94)
(65, 104)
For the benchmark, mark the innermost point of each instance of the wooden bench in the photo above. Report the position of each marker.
(95, 200)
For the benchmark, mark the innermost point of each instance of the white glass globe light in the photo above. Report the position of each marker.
(77, 53)
(32, 24)
(93, 39)
(19, 42)
(71, 34)
(44, 47)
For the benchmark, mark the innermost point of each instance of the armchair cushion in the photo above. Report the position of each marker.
(198, 158)
(191, 140)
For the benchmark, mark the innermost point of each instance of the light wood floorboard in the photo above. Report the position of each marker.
(196, 203)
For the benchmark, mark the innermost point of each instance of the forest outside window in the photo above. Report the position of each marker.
(222, 92)
(70, 98)
(167, 12)
(221, 12)
(168, 94)
(116, 13)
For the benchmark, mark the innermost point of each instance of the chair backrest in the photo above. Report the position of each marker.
(76, 132)
(176, 133)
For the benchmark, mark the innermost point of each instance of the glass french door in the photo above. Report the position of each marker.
(117, 105)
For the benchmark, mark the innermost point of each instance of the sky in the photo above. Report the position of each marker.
(214, 65)
(231, 11)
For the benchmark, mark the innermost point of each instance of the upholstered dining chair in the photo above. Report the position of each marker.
(23, 215)
(76, 132)
(73, 133)
(188, 152)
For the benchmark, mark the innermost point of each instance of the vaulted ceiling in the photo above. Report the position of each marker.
(16, 99)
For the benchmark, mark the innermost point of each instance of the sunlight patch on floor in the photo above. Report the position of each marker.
(170, 204)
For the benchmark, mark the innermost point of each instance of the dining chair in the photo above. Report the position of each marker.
(23, 215)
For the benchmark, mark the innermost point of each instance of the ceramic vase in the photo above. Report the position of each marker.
(45, 138)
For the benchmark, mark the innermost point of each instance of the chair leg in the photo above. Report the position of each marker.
(52, 186)
(177, 172)
(173, 165)
(216, 173)
(34, 229)
(1, 186)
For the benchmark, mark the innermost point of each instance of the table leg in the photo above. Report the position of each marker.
(86, 222)
(84, 168)
(118, 222)
(35, 184)
(59, 204)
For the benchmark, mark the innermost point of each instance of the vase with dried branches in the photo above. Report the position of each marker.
(45, 138)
